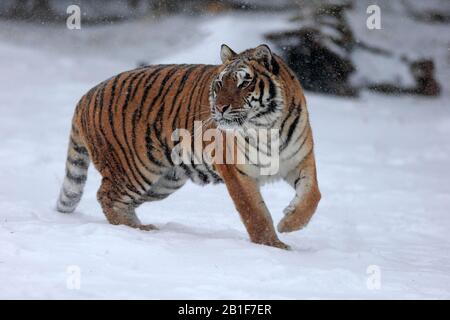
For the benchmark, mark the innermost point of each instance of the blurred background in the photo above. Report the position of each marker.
(348, 46)
(377, 82)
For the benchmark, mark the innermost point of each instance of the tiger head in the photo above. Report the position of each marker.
(247, 92)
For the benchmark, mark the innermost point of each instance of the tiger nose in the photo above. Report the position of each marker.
(223, 108)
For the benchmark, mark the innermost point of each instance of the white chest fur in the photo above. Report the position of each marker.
(278, 151)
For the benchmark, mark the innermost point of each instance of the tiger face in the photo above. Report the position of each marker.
(247, 92)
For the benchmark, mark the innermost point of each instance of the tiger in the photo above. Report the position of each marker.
(125, 125)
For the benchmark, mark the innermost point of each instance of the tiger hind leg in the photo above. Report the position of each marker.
(119, 209)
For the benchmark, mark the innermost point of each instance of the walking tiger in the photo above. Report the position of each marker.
(124, 126)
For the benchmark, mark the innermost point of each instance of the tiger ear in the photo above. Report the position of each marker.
(263, 54)
(226, 53)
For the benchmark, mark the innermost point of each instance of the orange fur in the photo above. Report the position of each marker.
(124, 124)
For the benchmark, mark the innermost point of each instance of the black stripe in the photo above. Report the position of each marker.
(272, 107)
(291, 131)
(261, 91)
(127, 144)
(157, 196)
(196, 87)
(161, 137)
(181, 85)
(79, 163)
(135, 89)
(158, 121)
(299, 148)
(77, 148)
(286, 118)
(71, 195)
(187, 170)
(275, 66)
(111, 123)
(67, 204)
(162, 86)
(272, 89)
(147, 86)
(81, 179)
(157, 128)
(240, 171)
(137, 113)
(150, 147)
(112, 157)
(202, 176)
(202, 88)
(212, 174)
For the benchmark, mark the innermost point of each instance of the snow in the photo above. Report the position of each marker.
(403, 37)
(383, 168)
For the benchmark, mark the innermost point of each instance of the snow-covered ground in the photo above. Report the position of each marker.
(383, 166)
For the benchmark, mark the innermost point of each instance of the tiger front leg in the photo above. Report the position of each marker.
(300, 210)
(249, 203)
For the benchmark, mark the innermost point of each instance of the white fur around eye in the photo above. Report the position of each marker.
(244, 83)
(243, 77)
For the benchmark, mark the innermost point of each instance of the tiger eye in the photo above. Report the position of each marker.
(251, 85)
(244, 84)
(217, 85)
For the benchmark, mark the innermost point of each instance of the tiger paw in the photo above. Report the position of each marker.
(147, 227)
(292, 221)
(274, 243)
(281, 245)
